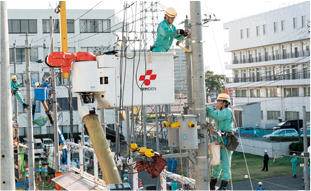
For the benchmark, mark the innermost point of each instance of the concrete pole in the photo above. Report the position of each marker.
(6, 140)
(145, 125)
(132, 126)
(55, 124)
(190, 165)
(305, 149)
(157, 128)
(70, 106)
(201, 168)
(128, 132)
(15, 73)
(188, 63)
(31, 160)
(117, 130)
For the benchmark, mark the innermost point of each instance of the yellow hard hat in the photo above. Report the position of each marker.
(14, 77)
(224, 96)
(294, 154)
(260, 183)
(171, 12)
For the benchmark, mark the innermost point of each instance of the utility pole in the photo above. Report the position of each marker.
(6, 140)
(70, 106)
(128, 132)
(145, 126)
(15, 73)
(55, 124)
(117, 130)
(305, 149)
(190, 166)
(157, 129)
(202, 176)
(31, 160)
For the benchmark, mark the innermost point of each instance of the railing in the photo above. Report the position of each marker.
(271, 57)
(291, 76)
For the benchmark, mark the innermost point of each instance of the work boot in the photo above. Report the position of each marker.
(223, 185)
(213, 183)
(294, 176)
(25, 106)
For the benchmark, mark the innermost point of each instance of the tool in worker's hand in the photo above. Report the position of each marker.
(178, 42)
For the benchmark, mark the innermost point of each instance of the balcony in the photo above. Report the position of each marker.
(291, 76)
(270, 57)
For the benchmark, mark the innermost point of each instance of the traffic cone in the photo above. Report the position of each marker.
(50, 180)
(140, 184)
(40, 180)
(37, 175)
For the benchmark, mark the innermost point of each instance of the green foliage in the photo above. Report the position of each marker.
(214, 82)
(298, 146)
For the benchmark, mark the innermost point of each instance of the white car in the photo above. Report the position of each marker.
(87, 140)
(308, 131)
(38, 149)
(282, 132)
(47, 143)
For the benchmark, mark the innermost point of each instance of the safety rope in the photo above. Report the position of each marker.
(19, 114)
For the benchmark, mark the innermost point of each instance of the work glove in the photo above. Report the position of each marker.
(186, 33)
(180, 31)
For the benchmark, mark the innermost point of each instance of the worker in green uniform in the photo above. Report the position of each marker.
(224, 123)
(15, 91)
(174, 185)
(166, 32)
(294, 164)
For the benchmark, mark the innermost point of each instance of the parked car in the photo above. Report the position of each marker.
(288, 125)
(308, 131)
(87, 140)
(47, 143)
(38, 149)
(282, 132)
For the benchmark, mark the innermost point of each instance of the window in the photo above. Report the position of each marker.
(238, 93)
(255, 93)
(20, 55)
(283, 25)
(64, 103)
(273, 115)
(247, 33)
(275, 27)
(291, 92)
(243, 92)
(94, 25)
(306, 91)
(294, 22)
(308, 116)
(241, 33)
(46, 26)
(22, 131)
(261, 115)
(257, 31)
(37, 130)
(264, 29)
(291, 115)
(303, 21)
(22, 26)
(272, 92)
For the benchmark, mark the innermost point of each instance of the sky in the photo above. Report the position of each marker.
(214, 36)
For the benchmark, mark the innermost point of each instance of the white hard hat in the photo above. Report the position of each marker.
(224, 97)
(171, 12)
(266, 151)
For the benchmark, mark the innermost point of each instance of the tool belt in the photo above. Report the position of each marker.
(232, 141)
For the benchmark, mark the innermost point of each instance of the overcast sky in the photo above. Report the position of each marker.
(215, 36)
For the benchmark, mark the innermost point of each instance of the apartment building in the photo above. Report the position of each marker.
(180, 70)
(87, 31)
(271, 62)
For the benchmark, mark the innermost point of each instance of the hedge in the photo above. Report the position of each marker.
(298, 146)
(284, 139)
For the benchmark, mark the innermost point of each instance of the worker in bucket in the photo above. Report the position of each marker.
(224, 123)
(260, 187)
(166, 32)
(15, 91)
(294, 165)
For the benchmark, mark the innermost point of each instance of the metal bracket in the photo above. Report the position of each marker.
(193, 24)
(200, 135)
(306, 154)
(200, 41)
(192, 157)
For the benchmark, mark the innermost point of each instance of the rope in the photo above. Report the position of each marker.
(19, 114)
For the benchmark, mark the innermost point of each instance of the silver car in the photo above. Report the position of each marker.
(282, 132)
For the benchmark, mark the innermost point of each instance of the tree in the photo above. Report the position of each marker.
(214, 82)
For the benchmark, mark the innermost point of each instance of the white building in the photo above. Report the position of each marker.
(271, 62)
(89, 32)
